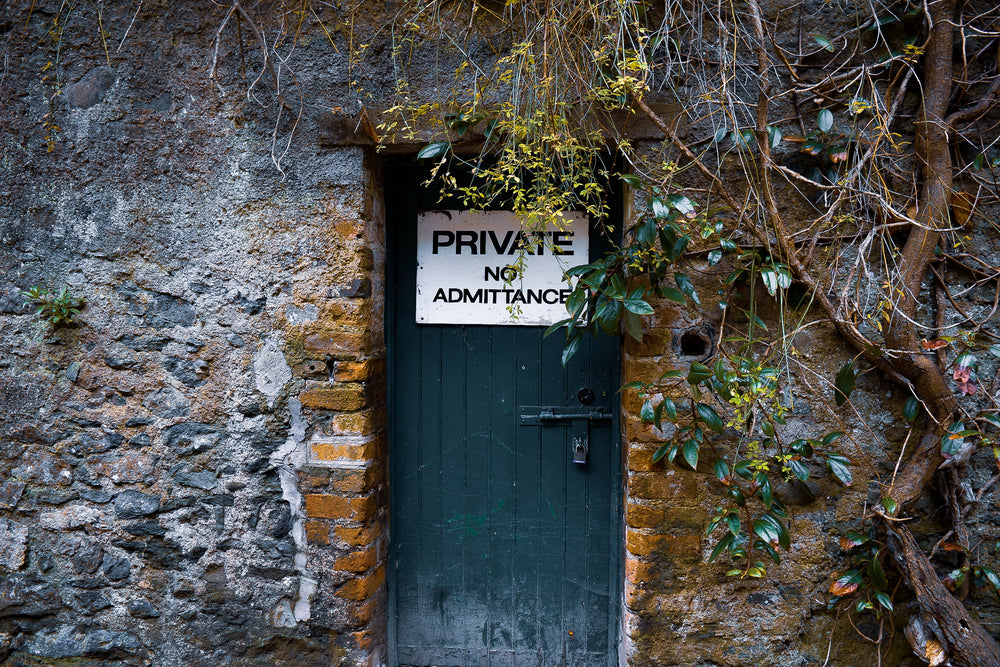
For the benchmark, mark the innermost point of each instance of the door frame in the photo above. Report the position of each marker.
(393, 170)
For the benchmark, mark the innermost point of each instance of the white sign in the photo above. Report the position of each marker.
(467, 267)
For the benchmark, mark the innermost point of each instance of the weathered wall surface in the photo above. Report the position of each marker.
(194, 473)
(154, 459)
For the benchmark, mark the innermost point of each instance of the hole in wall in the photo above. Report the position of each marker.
(797, 295)
(693, 345)
(694, 342)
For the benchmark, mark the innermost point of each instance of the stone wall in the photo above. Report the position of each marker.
(195, 472)
(159, 457)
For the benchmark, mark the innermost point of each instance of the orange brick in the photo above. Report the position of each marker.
(317, 532)
(644, 370)
(343, 310)
(358, 536)
(344, 397)
(668, 485)
(358, 561)
(342, 344)
(312, 368)
(655, 342)
(363, 587)
(356, 423)
(638, 571)
(641, 516)
(358, 371)
(366, 640)
(356, 481)
(356, 449)
(685, 546)
(323, 506)
(640, 459)
(634, 595)
(641, 544)
(363, 613)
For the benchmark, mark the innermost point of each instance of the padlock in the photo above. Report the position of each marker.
(579, 451)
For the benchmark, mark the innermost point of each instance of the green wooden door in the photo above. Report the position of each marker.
(502, 551)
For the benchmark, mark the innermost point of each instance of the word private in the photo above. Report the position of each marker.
(467, 267)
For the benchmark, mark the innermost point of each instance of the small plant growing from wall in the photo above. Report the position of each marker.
(56, 308)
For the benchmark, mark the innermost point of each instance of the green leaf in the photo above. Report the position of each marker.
(647, 413)
(824, 42)
(766, 494)
(825, 120)
(683, 205)
(673, 294)
(774, 136)
(802, 447)
(759, 323)
(831, 437)
(838, 465)
(766, 531)
(555, 327)
(570, 349)
(691, 453)
(911, 409)
(646, 233)
(967, 360)
(670, 408)
(580, 270)
(844, 383)
(632, 181)
(680, 245)
(770, 278)
(994, 350)
(660, 210)
(710, 417)
(991, 577)
(799, 469)
(733, 523)
(714, 256)
(847, 584)
(436, 149)
(633, 325)
(576, 300)
(721, 469)
(661, 451)
(953, 440)
(852, 539)
(769, 550)
(883, 600)
(637, 306)
(719, 368)
(889, 505)
(721, 546)
(728, 244)
(699, 372)
(685, 285)
(876, 574)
